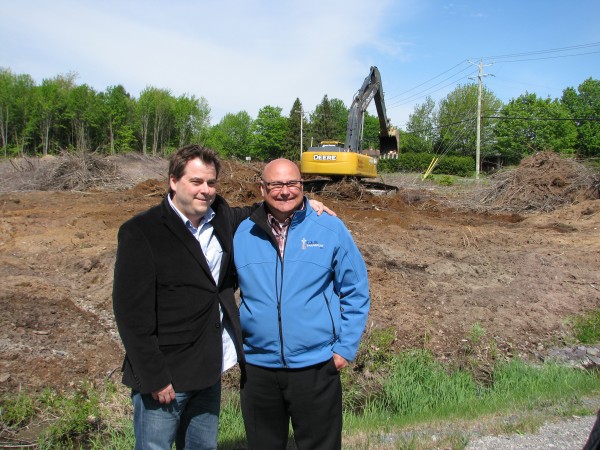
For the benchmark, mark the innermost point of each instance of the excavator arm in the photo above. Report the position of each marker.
(371, 89)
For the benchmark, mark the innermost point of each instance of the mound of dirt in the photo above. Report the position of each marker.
(69, 172)
(542, 183)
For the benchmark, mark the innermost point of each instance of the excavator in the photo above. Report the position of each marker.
(336, 159)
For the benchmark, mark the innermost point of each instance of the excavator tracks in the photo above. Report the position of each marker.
(347, 184)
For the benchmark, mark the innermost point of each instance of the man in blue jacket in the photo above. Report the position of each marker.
(304, 306)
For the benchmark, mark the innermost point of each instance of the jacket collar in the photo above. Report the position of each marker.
(174, 223)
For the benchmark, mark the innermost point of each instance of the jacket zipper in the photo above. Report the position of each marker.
(279, 294)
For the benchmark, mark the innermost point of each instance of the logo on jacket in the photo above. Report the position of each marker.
(310, 244)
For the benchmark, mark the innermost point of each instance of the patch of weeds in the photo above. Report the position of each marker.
(457, 440)
(587, 327)
(477, 332)
(445, 180)
(79, 417)
(477, 355)
(521, 425)
(18, 412)
(231, 426)
(371, 365)
(87, 416)
(48, 399)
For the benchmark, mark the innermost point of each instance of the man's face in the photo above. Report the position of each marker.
(283, 200)
(195, 191)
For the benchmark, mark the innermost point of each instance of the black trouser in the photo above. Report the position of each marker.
(593, 442)
(311, 397)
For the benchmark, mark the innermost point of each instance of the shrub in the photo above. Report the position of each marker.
(461, 166)
(445, 180)
(17, 412)
(587, 328)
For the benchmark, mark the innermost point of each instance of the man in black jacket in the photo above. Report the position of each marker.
(173, 299)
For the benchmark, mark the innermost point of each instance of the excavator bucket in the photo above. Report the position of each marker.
(391, 142)
(388, 144)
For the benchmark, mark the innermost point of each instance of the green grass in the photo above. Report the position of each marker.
(87, 416)
(17, 412)
(390, 401)
(587, 327)
(421, 390)
(231, 426)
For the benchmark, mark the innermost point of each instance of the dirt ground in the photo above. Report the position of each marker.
(439, 268)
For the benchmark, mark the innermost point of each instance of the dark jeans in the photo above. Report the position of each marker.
(311, 397)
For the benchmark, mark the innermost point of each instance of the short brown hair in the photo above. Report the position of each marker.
(185, 154)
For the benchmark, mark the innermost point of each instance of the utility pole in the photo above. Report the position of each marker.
(478, 143)
(301, 120)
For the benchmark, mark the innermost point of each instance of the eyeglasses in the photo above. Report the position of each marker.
(278, 185)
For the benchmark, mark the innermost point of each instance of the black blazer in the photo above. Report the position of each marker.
(166, 303)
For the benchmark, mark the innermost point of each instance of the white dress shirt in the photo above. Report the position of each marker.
(213, 253)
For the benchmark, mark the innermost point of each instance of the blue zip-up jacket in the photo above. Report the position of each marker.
(299, 310)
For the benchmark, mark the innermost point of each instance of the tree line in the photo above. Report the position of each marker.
(61, 115)
(525, 125)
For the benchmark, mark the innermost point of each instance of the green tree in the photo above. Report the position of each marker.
(457, 121)
(50, 105)
(420, 129)
(339, 112)
(154, 118)
(7, 81)
(530, 124)
(585, 104)
(295, 130)
(117, 108)
(163, 116)
(268, 134)
(323, 125)
(191, 117)
(16, 99)
(231, 136)
(370, 132)
(82, 114)
(143, 114)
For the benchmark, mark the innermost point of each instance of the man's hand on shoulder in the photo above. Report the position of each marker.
(320, 207)
(165, 395)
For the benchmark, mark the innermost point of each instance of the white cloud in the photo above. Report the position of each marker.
(239, 55)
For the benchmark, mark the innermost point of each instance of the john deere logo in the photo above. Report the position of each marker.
(324, 157)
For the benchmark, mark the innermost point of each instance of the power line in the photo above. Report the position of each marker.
(549, 57)
(520, 57)
(418, 94)
(551, 50)
(425, 82)
(591, 119)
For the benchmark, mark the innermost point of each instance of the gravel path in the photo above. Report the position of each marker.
(570, 434)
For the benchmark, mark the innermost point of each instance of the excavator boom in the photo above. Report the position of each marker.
(370, 90)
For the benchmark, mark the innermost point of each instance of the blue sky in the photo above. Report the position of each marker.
(242, 55)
